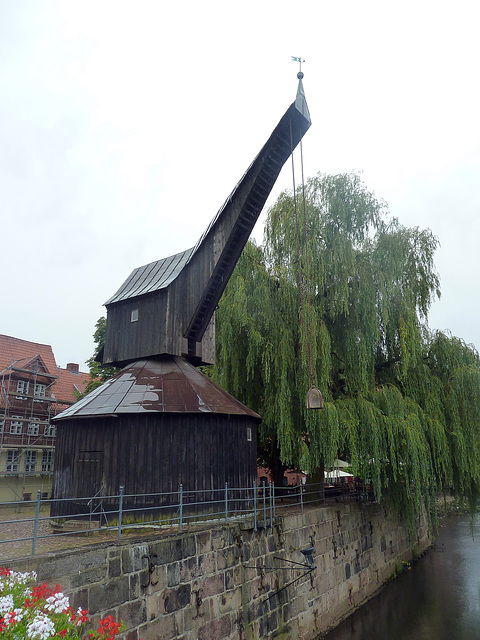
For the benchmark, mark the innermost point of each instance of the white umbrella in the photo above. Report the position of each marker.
(338, 473)
(340, 464)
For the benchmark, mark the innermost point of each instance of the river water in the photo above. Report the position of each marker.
(437, 599)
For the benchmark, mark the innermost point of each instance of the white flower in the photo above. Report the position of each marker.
(6, 603)
(12, 617)
(41, 627)
(58, 603)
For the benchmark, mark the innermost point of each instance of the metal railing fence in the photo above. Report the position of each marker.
(122, 512)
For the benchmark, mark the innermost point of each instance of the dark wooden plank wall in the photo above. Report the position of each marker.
(151, 453)
(163, 317)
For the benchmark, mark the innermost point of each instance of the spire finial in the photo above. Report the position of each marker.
(299, 60)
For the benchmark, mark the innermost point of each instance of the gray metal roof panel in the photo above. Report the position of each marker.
(151, 277)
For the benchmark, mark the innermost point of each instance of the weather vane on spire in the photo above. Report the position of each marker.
(299, 60)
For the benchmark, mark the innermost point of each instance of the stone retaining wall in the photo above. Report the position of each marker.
(222, 582)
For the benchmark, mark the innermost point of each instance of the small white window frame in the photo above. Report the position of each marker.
(16, 426)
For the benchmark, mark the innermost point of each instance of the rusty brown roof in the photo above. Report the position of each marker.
(167, 385)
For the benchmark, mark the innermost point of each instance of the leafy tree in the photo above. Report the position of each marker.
(98, 373)
(339, 295)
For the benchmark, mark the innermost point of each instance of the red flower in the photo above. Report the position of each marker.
(82, 616)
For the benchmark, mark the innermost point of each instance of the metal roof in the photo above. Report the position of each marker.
(168, 385)
(152, 277)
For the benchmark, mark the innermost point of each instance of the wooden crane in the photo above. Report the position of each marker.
(167, 307)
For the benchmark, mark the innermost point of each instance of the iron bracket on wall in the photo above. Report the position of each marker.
(307, 567)
(150, 569)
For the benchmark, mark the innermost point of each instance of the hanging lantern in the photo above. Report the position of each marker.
(314, 398)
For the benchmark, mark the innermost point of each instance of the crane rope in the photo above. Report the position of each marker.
(314, 397)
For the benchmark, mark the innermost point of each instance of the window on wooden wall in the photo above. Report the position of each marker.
(90, 456)
(249, 434)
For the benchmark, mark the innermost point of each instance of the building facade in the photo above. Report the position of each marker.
(33, 389)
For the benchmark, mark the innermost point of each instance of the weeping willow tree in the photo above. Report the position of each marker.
(340, 292)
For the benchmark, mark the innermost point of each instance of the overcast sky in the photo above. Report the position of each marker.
(124, 125)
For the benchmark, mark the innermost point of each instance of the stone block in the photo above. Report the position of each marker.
(254, 610)
(79, 599)
(133, 613)
(162, 628)
(109, 595)
(175, 599)
(188, 546)
(114, 566)
(158, 579)
(169, 550)
(173, 574)
(227, 558)
(88, 576)
(247, 552)
(272, 544)
(207, 563)
(272, 622)
(135, 558)
(229, 579)
(229, 603)
(179, 623)
(216, 629)
(220, 539)
(203, 542)
(190, 569)
(212, 585)
(154, 606)
(136, 580)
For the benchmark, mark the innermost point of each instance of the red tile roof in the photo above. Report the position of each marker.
(18, 353)
(68, 383)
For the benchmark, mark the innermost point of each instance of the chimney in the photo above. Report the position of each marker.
(72, 367)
